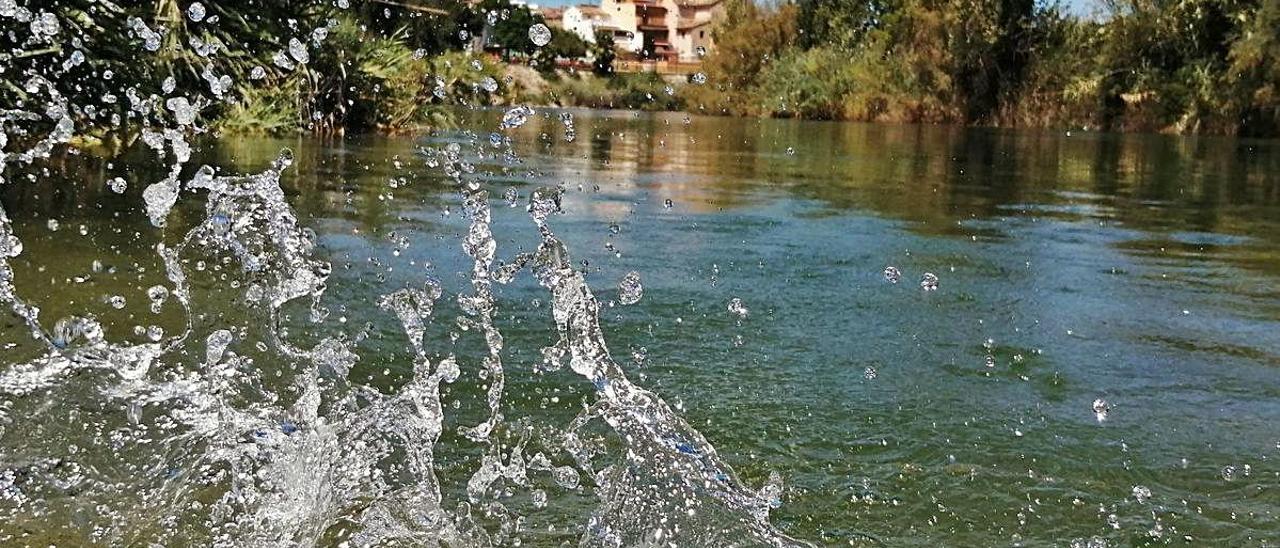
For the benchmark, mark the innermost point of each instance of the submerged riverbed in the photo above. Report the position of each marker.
(1099, 361)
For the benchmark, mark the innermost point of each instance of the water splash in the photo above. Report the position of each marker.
(255, 432)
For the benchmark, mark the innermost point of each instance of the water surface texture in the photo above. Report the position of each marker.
(1095, 361)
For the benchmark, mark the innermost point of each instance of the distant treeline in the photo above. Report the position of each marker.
(1182, 66)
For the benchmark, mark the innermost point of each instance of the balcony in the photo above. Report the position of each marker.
(652, 23)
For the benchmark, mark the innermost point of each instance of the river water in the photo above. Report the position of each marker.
(1099, 361)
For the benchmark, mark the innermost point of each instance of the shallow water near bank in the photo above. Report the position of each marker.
(1100, 359)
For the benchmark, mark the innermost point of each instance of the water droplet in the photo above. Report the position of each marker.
(196, 12)
(892, 274)
(539, 34)
(737, 308)
(182, 110)
(630, 289)
(215, 345)
(929, 282)
(516, 117)
(53, 225)
(566, 477)
(1100, 408)
(157, 294)
(298, 51)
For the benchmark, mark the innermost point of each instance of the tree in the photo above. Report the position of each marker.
(509, 27)
(563, 45)
(603, 53)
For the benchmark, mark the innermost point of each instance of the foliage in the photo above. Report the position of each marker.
(1170, 65)
(509, 27)
(639, 91)
(749, 39)
(603, 53)
(563, 45)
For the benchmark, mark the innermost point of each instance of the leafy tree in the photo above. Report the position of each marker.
(563, 45)
(603, 53)
(509, 27)
(1254, 72)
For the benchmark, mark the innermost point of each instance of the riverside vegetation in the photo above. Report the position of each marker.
(1184, 66)
(1192, 66)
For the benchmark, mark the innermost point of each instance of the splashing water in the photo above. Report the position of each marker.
(256, 432)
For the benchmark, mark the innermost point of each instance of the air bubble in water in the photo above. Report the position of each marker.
(116, 301)
(699, 78)
(53, 225)
(614, 228)
(668, 204)
(539, 34)
(196, 12)
(1229, 473)
(489, 84)
(737, 308)
(892, 274)
(869, 373)
(929, 282)
(539, 498)
(257, 73)
(630, 289)
(512, 196)
(1141, 494)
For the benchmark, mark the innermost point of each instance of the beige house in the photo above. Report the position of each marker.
(586, 20)
(675, 29)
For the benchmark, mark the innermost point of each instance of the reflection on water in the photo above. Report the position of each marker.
(1137, 270)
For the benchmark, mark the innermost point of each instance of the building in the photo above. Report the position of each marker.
(553, 17)
(585, 20)
(671, 30)
(692, 30)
